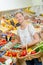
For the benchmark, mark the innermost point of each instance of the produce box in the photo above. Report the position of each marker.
(26, 54)
(7, 46)
(11, 54)
(2, 59)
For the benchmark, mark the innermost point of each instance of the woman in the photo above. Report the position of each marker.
(27, 34)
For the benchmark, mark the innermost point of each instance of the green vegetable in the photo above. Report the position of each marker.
(17, 46)
(39, 47)
(37, 50)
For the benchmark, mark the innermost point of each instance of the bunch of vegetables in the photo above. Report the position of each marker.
(39, 47)
(3, 42)
(11, 54)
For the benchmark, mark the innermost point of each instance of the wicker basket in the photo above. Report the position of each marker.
(23, 57)
(30, 56)
(26, 57)
(36, 55)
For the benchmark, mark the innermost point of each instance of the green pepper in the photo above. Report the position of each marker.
(37, 50)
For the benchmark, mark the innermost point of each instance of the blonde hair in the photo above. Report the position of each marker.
(17, 13)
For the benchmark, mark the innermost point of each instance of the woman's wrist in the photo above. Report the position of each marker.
(23, 46)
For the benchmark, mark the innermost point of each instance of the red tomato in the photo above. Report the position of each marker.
(9, 53)
(1, 43)
(33, 52)
(14, 54)
(23, 53)
(2, 59)
(4, 41)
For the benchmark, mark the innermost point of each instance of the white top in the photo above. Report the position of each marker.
(26, 35)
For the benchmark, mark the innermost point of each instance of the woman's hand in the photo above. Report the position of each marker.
(35, 40)
(23, 46)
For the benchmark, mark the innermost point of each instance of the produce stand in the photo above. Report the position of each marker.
(9, 44)
(29, 56)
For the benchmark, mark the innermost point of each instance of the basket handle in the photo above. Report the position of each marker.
(26, 47)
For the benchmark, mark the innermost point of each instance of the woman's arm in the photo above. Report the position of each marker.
(35, 41)
(18, 39)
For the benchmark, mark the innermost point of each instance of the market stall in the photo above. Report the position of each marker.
(11, 51)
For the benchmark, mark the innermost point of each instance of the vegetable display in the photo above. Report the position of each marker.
(11, 54)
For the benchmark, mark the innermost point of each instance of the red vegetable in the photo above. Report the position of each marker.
(9, 52)
(2, 59)
(2, 42)
(14, 54)
(10, 55)
(23, 53)
(33, 52)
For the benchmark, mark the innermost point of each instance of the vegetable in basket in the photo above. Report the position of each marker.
(39, 47)
(23, 53)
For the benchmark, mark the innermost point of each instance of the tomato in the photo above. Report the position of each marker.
(4, 41)
(2, 59)
(9, 53)
(1, 43)
(14, 54)
(23, 53)
(33, 52)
